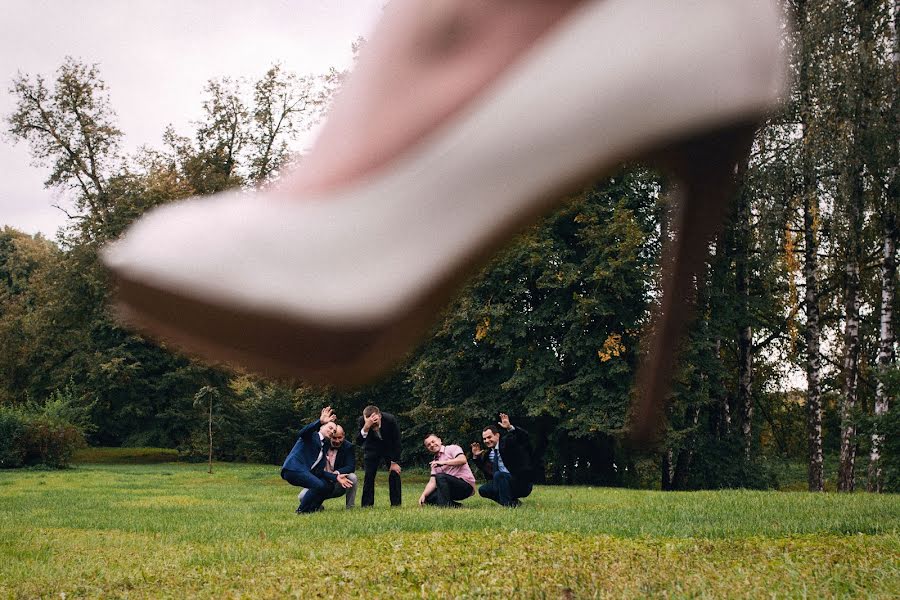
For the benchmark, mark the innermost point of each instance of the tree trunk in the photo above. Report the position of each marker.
(850, 389)
(885, 352)
(857, 165)
(745, 331)
(210, 434)
(888, 262)
(668, 469)
(686, 453)
(724, 416)
(815, 469)
(809, 193)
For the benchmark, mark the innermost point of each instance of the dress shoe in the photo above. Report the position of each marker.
(336, 288)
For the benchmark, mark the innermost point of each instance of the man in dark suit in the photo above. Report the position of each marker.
(379, 436)
(305, 464)
(506, 463)
(340, 464)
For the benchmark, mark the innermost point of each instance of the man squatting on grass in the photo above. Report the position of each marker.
(506, 463)
(340, 464)
(305, 464)
(451, 478)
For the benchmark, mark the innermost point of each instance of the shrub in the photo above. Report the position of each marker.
(720, 463)
(51, 442)
(890, 427)
(13, 424)
(45, 434)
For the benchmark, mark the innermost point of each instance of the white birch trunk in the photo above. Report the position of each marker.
(815, 469)
(847, 463)
(745, 331)
(815, 466)
(885, 354)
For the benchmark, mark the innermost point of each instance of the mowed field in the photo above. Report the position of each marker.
(174, 530)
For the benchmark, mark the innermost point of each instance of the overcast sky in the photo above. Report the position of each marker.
(156, 56)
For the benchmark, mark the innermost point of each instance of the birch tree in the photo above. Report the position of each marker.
(891, 188)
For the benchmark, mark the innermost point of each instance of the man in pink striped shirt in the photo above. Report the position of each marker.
(451, 478)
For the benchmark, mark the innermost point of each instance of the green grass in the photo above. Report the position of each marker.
(173, 530)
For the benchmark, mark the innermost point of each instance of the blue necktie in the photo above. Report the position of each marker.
(495, 460)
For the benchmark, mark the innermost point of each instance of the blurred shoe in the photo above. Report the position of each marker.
(335, 288)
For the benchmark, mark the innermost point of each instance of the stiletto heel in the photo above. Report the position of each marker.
(337, 287)
(705, 169)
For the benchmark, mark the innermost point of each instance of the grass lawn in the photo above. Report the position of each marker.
(173, 530)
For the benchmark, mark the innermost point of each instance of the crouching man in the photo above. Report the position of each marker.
(304, 466)
(339, 466)
(506, 463)
(451, 478)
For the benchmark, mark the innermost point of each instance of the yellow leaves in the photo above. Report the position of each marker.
(481, 329)
(611, 347)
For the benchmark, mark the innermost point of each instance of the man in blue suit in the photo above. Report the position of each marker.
(305, 465)
(340, 464)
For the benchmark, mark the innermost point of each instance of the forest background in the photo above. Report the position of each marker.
(792, 356)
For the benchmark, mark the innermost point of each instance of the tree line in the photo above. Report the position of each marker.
(798, 296)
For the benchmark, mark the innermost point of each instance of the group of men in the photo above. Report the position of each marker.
(323, 462)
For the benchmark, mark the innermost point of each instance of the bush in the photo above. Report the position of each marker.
(721, 464)
(51, 442)
(890, 452)
(13, 425)
(41, 434)
(890, 426)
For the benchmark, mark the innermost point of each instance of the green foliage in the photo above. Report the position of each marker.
(549, 332)
(720, 463)
(269, 421)
(71, 129)
(38, 435)
(51, 442)
(890, 426)
(13, 427)
(66, 406)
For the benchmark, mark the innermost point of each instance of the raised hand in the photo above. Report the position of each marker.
(327, 416)
(476, 449)
(504, 421)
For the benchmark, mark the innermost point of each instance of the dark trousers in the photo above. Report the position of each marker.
(318, 488)
(371, 463)
(506, 489)
(449, 489)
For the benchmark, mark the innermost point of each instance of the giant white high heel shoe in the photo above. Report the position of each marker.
(337, 288)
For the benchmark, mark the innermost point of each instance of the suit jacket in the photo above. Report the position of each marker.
(306, 449)
(387, 445)
(515, 450)
(344, 461)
